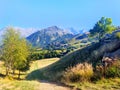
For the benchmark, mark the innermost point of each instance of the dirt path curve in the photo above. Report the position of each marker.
(45, 85)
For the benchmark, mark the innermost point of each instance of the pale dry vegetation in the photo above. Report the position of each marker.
(78, 73)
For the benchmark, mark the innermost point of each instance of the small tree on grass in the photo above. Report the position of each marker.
(21, 56)
(14, 51)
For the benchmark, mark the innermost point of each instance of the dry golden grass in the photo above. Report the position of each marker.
(79, 73)
(42, 63)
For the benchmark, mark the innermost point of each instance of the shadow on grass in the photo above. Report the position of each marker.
(43, 78)
(40, 74)
(36, 75)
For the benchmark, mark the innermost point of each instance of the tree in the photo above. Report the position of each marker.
(22, 52)
(14, 51)
(102, 27)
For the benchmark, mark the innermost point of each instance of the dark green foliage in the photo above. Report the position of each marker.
(110, 71)
(42, 54)
(113, 71)
(26, 67)
(48, 54)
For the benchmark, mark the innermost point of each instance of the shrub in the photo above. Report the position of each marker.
(118, 35)
(78, 73)
(98, 73)
(114, 70)
(107, 72)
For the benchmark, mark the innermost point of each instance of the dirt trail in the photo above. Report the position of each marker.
(45, 85)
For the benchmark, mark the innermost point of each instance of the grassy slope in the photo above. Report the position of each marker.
(54, 71)
(92, 54)
(10, 84)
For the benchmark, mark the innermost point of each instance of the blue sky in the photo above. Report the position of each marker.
(80, 14)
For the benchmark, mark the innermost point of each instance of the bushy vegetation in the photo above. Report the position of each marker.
(43, 54)
(113, 71)
(118, 35)
(78, 73)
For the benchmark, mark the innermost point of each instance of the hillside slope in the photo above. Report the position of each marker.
(91, 54)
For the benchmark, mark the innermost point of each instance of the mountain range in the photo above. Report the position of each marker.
(51, 36)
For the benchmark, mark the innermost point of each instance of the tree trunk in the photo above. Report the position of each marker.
(13, 71)
(19, 75)
(7, 71)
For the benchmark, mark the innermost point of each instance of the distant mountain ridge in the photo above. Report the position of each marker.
(53, 36)
(76, 31)
(48, 35)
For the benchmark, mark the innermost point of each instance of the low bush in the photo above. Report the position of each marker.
(113, 71)
(108, 71)
(78, 73)
(98, 73)
(118, 35)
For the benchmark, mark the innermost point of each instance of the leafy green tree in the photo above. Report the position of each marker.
(14, 51)
(22, 52)
(102, 27)
(10, 40)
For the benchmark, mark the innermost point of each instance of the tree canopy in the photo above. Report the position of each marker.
(102, 27)
(14, 50)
